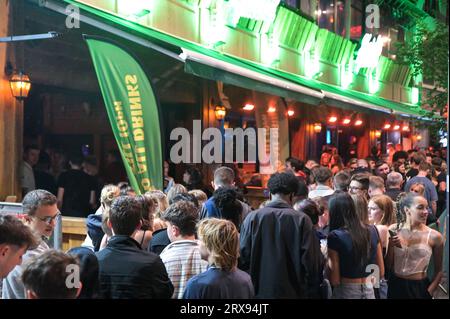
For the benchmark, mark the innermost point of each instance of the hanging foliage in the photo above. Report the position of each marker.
(427, 54)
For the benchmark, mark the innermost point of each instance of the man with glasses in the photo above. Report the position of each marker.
(359, 184)
(40, 214)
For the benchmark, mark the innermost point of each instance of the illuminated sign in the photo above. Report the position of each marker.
(369, 52)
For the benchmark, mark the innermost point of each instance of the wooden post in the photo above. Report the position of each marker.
(11, 110)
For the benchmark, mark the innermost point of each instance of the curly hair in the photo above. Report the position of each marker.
(228, 205)
(283, 183)
(221, 238)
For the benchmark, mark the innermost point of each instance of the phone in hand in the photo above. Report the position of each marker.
(392, 233)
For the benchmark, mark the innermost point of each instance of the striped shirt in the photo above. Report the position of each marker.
(183, 261)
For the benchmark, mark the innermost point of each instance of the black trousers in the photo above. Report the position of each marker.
(400, 288)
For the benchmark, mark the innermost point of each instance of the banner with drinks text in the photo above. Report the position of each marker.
(132, 110)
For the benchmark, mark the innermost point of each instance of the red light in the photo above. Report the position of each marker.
(396, 127)
(249, 107)
(387, 126)
(405, 128)
(271, 109)
(358, 122)
(346, 121)
(332, 119)
(290, 112)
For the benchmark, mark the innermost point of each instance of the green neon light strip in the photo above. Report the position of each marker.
(293, 30)
(177, 43)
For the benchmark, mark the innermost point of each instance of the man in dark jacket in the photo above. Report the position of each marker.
(223, 177)
(127, 271)
(278, 246)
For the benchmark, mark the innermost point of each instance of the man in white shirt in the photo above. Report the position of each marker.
(322, 177)
(30, 159)
(41, 212)
(182, 256)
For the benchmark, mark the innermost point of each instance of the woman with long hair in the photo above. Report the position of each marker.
(336, 164)
(411, 248)
(149, 206)
(382, 215)
(354, 251)
(361, 207)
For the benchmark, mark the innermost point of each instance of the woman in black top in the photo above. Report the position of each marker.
(355, 257)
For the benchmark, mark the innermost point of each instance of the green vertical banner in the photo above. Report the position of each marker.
(132, 110)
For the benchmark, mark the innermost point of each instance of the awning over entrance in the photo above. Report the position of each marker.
(214, 65)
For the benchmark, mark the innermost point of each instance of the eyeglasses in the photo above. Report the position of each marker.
(49, 219)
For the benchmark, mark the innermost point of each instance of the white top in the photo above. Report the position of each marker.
(412, 259)
(27, 179)
(321, 191)
(183, 261)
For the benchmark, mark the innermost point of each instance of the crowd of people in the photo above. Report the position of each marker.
(367, 230)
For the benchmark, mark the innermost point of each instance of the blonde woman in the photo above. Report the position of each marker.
(162, 205)
(219, 244)
(410, 251)
(94, 221)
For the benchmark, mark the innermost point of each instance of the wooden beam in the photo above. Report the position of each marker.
(11, 111)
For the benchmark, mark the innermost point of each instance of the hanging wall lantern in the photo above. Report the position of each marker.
(20, 85)
(220, 112)
(317, 127)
